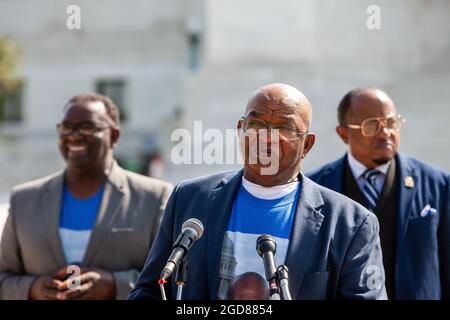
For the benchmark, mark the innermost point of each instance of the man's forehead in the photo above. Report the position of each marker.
(93, 106)
(272, 108)
(90, 109)
(280, 101)
(288, 116)
(371, 104)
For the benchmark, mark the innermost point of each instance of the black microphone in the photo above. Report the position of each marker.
(191, 230)
(266, 248)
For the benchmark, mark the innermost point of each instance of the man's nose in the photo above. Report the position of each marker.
(270, 131)
(385, 132)
(265, 134)
(74, 135)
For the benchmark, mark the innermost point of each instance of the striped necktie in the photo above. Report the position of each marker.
(369, 188)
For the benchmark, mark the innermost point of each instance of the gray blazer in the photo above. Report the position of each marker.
(128, 219)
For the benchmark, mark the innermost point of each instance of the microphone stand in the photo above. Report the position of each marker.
(266, 248)
(274, 290)
(161, 283)
(282, 275)
(181, 278)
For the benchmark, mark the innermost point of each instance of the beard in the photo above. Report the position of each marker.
(383, 160)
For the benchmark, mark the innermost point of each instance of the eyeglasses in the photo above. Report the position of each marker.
(84, 128)
(253, 126)
(372, 126)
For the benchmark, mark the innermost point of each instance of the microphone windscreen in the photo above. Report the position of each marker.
(265, 243)
(195, 225)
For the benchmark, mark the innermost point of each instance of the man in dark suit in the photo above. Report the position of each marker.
(410, 198)
(329, 243)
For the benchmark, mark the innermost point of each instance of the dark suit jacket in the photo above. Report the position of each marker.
(126, 224)
(422, 268)
(334, 249)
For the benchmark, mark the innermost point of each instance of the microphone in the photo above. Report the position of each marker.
(266, 248)
(282, 273)
(191, 231)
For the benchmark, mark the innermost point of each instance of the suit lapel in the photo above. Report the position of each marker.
(114, 192)
(307, 223)
(51, 215)
(388, 187)
(406, 196)
(334, 175)
(351, 188)
(219, 212)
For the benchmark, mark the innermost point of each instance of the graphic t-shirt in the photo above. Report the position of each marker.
(256, 212)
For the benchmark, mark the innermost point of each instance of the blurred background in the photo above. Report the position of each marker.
(169, 63)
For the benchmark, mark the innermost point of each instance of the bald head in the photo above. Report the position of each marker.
(248, 286)
(280, 95)
(361, 97)
(283, 108)
(374, 105)
(373, 93)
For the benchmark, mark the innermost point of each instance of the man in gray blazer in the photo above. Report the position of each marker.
(329, 242)
(82, 233)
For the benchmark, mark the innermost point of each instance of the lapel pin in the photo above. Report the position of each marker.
(409, 182)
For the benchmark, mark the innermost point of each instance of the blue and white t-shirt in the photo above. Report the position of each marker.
(76, 223)
(256, 210)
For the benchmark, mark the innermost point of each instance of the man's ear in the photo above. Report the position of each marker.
(309, 143)
(239, 127)
(342, 133)
(115, 135)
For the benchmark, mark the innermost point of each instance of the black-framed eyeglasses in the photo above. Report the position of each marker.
(371, 127)
(253, 126)
(83, 129)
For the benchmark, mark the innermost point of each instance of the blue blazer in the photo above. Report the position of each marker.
(422, 268)
(334, 250)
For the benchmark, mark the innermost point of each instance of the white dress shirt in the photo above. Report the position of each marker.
(358, 169)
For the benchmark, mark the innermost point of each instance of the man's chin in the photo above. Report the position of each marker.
(263, 170)
(383, 160)
(255, 170)
(77, 163)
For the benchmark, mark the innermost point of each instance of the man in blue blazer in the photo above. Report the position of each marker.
(410, 198)
(329, 243)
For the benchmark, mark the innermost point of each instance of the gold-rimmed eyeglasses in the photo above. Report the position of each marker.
(371, 127)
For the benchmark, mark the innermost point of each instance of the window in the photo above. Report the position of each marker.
(194, 51)
(194, 41)
(11, 106)
(115, 90)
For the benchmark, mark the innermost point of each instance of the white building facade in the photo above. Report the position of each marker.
(169, 63)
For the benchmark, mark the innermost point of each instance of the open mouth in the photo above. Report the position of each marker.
(76, 149)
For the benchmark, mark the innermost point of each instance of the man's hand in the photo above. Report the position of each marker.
(46, 288)
(94, 284)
